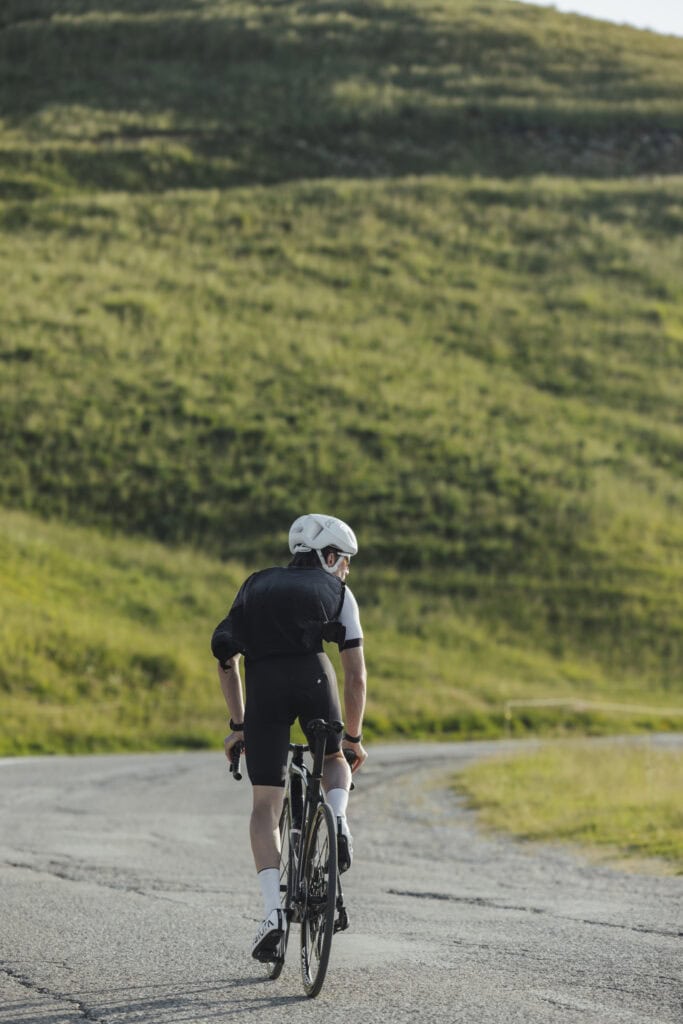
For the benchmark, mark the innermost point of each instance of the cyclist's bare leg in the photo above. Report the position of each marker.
(337, 780)
(336, 772)
(264, 827)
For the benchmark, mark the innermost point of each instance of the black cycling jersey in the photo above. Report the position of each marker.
(282, 611)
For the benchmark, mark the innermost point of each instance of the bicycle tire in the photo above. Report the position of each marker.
(274, 967)
(320, 880)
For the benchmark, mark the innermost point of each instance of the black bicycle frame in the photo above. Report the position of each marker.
(305, 793)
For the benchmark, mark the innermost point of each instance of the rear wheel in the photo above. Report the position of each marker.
(274, 967)
(320, 885)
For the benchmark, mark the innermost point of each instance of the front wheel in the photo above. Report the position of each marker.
(320, 889)
(274, 967)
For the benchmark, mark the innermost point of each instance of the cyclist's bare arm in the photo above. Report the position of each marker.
(231, 687)
(355, 684)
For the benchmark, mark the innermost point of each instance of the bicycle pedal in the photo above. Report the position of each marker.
(342, 921)
(269, 958)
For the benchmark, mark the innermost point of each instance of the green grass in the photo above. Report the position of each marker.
(623, 799)
(211, 93)
(200, 367)
(105, 641)
(413, 264)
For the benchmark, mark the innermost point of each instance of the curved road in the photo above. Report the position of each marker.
(128, 895)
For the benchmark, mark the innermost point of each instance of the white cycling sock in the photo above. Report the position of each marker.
(338, 799)
(269, 880)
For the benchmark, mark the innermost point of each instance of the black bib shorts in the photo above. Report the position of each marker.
(280, 690)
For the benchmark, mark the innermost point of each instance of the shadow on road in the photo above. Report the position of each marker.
(170, 1004)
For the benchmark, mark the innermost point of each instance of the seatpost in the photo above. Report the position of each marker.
(319, 754)
(321, 730)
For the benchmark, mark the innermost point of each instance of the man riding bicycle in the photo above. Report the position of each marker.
(278, 621)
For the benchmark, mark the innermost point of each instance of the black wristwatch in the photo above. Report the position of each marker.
(236, 726)
(353, 739)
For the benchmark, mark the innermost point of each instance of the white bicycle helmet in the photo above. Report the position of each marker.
(314, 532)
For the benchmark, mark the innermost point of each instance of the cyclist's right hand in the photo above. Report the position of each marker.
(230, 741)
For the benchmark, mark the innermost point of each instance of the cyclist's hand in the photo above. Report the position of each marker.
(359, 752)
(230, 741)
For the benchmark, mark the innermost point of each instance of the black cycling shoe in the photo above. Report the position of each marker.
(344, 849)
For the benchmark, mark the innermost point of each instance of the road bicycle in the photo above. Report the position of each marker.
(310, 882)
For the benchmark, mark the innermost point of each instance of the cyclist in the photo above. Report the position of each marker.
(278, 621)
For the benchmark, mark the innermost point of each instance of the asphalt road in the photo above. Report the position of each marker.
(127, 894)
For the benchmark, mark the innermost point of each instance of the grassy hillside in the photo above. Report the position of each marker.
(150, 95)
(199, 368)
(413, 263)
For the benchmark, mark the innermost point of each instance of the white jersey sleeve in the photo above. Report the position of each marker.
(349, 617)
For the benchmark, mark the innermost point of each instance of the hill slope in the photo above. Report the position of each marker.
(217, 93)
(474, 357)
(199, 368)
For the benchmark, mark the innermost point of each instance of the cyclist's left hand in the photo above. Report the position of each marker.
(359, 752)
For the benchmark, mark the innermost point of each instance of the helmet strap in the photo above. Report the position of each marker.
(331, 569)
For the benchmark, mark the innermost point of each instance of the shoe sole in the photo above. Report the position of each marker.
(267, 949)
(343, 856)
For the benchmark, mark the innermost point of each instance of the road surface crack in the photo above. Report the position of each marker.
(68, 873)
(32, 986)
(150, 888)
(482, 901)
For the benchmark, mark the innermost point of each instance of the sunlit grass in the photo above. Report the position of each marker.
(236, 91)
(623, 798)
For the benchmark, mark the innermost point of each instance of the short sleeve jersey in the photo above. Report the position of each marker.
(349, 617)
